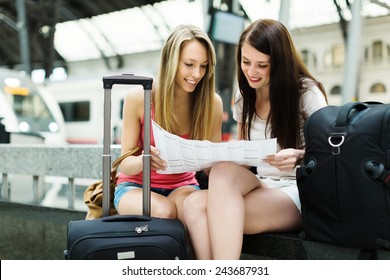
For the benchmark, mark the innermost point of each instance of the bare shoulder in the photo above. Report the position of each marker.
(217, 98)
(134, 103)
(217, 101)
(135, 95)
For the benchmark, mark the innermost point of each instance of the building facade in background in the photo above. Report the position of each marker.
(323, 50)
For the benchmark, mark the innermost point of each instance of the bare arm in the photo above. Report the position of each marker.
(133, 110)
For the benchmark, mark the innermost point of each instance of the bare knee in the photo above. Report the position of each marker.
(221, 169)
(226, 176)
(195, 206)
(166, 210)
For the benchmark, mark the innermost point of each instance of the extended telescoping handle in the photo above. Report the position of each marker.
(108, 82)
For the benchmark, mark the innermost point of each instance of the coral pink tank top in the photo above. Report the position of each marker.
(165, 181)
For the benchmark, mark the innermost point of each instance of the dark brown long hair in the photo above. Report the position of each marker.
(286, 82)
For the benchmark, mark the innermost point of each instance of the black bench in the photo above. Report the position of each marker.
(290, 246)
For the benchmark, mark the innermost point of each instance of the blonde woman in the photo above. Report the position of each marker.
(184, 103)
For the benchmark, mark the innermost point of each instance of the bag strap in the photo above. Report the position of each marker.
(116, 162)
(345, 110)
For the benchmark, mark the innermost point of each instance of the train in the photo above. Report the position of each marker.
(81, 102)
(27, 108)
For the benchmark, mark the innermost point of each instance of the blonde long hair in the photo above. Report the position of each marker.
(202, 98)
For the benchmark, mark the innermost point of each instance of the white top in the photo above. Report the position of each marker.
(312, 100)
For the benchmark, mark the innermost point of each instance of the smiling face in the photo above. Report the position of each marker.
(256, 66)
(192, 67)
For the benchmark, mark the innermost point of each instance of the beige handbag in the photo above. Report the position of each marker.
(94, 193)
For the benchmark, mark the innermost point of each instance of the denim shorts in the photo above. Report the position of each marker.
(124, 187)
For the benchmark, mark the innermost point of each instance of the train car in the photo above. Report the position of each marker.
(81, 102)
(26, 108)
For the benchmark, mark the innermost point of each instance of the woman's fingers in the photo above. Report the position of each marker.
(285, 160)
(156, 162)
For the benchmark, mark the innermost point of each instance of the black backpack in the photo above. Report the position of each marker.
(344, 183)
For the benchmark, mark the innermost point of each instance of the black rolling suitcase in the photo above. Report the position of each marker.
(344, 183)
(139, 237)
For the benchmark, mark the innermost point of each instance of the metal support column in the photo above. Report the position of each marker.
(352, 55)
(284, 13)
(71, 193)
(23, 35)
(225, 74)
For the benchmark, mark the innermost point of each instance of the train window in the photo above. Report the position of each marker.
(78, 111)
(28, 106)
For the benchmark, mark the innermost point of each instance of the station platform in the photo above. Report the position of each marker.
(31, 228)
(30, 232)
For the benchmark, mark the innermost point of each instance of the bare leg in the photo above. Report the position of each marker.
(161, 206)
(270, 210)
(178, 196)
(195, 217)
(228, 184)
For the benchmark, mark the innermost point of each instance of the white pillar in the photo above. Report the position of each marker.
(284, 13)
(352, 55)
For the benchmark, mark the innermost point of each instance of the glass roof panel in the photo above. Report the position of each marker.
(145, 28)
(126, 31)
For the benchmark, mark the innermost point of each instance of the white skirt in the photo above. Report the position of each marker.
(289, 187)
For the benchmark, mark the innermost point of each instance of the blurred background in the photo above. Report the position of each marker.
(67, 46)
(54, 53)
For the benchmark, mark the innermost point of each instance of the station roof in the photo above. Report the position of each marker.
(61, 31)
(42, 17)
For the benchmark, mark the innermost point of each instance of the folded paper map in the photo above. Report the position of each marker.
(183, 155)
